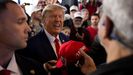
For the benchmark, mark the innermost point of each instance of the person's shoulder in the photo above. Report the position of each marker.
(29, 66)
(63, 37)
(40, 33)
(121, 66)
(37, 37)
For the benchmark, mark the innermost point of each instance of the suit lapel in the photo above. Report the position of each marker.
(63, 38)
(23, 65)
(46, 44)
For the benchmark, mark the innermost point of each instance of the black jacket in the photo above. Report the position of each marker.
(40, 49)
(122, 66)
(29, 67)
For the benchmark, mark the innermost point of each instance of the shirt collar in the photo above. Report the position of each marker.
(50, 37)
(12, 66)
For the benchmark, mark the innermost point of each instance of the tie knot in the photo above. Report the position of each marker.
(56, 40)
(5, 72)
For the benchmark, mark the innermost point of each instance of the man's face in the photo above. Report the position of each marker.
(86, 15)
(66, 32)
(77, 22)
(53, 22)
(13, 27)
(94, 20)
(41, 3)
(37, 15)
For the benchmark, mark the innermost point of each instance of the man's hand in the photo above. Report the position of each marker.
(89, 65)
(50, 65)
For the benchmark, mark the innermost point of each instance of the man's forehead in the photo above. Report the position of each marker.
(14, 10)
(94, 17)
(12, 6)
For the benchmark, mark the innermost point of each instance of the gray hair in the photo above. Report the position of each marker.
(121, 14)
(52, 8)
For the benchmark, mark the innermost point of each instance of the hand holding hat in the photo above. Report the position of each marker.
(70, 51)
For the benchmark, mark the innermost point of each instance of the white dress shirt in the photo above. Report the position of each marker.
(51, 39)
(13, 67)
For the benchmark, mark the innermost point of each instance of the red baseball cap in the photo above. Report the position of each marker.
(69, 51)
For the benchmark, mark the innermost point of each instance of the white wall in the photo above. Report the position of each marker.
(29, 8)
(33, 3)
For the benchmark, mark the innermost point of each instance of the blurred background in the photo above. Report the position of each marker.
(30, 4)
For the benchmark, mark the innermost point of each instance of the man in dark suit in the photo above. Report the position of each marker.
(41, 47)
(13, 35)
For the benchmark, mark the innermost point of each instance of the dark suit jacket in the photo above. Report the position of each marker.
(29, 67)
(123, 66)
(39, 47)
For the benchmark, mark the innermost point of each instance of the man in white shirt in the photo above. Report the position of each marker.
(13, 35)
(42, 47)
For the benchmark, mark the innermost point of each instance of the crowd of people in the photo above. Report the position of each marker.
(91, 38)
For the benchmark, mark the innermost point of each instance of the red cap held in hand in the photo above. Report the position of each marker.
(69, 51)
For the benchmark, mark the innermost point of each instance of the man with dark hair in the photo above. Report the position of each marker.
(93, 28)
(13, 35)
